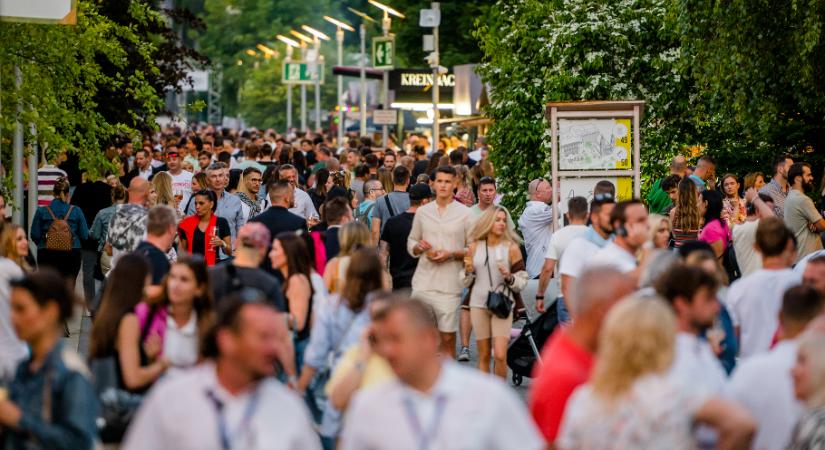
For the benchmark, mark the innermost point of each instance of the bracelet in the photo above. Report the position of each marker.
(540, 297)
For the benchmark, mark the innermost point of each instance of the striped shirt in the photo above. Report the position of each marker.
(46, 177)
(778, 194)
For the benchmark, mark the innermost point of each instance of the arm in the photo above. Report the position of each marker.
(344, 386)
(97, 228)
(544, 280)
(330, 273)
(752, 196)
(566, 280)
(36, 232)
(718, 248)
(297, 295)
(82, 226)
(375, 228)
(518, 279)
(735, 426)
(383, 254)
(128, 348)
(286, 355)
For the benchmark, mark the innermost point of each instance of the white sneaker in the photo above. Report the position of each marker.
(464, 354)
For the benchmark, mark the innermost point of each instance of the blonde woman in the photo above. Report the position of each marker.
(464, 192)
(631, 403)
(352, 236)
(660, 229)
(493, 259)
(14, 245)
(809, 387)
(162, 183)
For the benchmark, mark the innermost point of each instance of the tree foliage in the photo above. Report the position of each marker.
(85, 85)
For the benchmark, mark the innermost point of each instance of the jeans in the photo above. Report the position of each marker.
(561, 310)
(89, 258)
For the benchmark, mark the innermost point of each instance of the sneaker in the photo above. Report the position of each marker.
(464, 354)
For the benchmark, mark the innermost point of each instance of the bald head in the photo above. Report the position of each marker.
(372, 189)
(539, 190)
(679, 165)
(138, 190)
(597, 289)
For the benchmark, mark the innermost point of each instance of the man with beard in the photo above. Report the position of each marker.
(801, 216)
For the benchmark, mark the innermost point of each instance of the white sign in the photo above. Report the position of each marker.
(200, 81)
(385, 117)
(429, 18)
(594, 144)
(39, 11)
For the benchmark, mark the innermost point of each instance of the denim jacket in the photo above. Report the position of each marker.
(64, 378)
(42, 221)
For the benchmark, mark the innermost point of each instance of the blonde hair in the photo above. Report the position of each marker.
(637, 339)
(812, 345)
(353, 235)
(162, 182)
(655, 220)
(8, 245)
(485, 223)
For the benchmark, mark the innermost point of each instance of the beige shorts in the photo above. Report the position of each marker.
(445, 307)
(486, 324)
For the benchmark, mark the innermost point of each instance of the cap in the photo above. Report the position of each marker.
(254, 234)
(420, 191)
(172, 153)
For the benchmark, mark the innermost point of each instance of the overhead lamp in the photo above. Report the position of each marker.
(362, 15)
(315, 32)
(266, 50)
(251, 52)
(301, 36)
(339, 23)
(386, 9)
(288, 41)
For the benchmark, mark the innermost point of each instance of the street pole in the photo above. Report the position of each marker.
(17, 157)
(339, 37)
(362, 103)
(288, 93)
(317, 63)
(385, 89)
(303, 91)
(33, 154)
(436, 86)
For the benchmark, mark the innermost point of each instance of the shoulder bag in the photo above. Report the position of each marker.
(500, 299)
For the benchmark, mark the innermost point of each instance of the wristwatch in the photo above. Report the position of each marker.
(540, 297)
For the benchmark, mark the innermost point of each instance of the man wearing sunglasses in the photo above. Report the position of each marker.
(536, 224)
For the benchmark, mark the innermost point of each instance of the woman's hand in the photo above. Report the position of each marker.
(153, 346)
(468, 263)
(216, 242)
(505, 272)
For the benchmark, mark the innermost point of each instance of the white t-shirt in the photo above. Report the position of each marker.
(180, 344)
(561, 240)
(182, 183)
(611, 255)
(576, 256)
(754, 303)
(763, 385)
(695, 363)
(657, 413)
(744, 236)
(12, 349)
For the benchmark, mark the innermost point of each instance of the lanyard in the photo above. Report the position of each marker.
(223, 429)
(425, 437)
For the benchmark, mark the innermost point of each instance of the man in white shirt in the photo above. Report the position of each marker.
(813, 273)
(754, 301)
(583, 248)
(631, 230)
(435, 403)
(181, 179)
(536, 224)
(763, 384)
(744, 235)
(303, 202)
(231, 401)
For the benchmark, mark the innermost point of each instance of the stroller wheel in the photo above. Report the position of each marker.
(517, 379)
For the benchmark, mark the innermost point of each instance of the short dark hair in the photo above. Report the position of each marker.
(670, 182)
(619, 212)
(446, 169)
(780, 161)
(604, 186)
(419, 150)
(210, 195)
(577, 208)
(684, 281)
(371, 160)
(796, 170)
(361, 170)
(160, 219)
(772, 236)
(335, 209)
(251, 169)
(46, 286)
(400, 175)
(456, 157)
(490, 180)
(801, 304)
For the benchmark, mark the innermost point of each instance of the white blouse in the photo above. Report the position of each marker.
(180, 344)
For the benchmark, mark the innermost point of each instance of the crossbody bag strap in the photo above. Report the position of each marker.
(389, 205)
(487, 263)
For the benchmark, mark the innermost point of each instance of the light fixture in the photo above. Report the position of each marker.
(362, 15)
(266, 50)
(288, 41)
(386, 9)
(339, 23)
(251, 52)
(301, 36)
(315, 32)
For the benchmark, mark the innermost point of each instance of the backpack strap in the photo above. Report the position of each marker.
(389, 205)
(51, 213)
(69, 213)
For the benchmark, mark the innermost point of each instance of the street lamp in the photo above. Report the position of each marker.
(304, 41)
(290, 44)
(362, 103)
(386, 22)
(267, 51)
(340, 26)
(318, 37)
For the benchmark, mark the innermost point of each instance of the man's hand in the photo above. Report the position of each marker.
(751, 194)
(441, 256)
(422, 247)
(540, 305)
(9, 414)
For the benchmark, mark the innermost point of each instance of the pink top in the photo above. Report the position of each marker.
(715, 231)
(158, 325)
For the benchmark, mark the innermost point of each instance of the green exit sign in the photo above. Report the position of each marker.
(383, 52)
(302, 72)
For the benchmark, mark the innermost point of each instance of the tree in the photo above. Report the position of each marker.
(537, 51)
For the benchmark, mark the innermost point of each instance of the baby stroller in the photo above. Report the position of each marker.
(525, 349)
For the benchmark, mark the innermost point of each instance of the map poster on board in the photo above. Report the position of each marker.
(583, 187)
(592, 144)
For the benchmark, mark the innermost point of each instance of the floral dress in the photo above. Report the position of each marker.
(734, 210)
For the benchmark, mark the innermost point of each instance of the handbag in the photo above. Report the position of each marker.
(500, 299)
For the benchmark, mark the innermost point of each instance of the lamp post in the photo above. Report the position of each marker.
(290, 45)
(386, 22)
(339, 38)
(317, 38)
(304, 41)
(362, 31)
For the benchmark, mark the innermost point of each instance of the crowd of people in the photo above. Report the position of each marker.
(251, 290)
